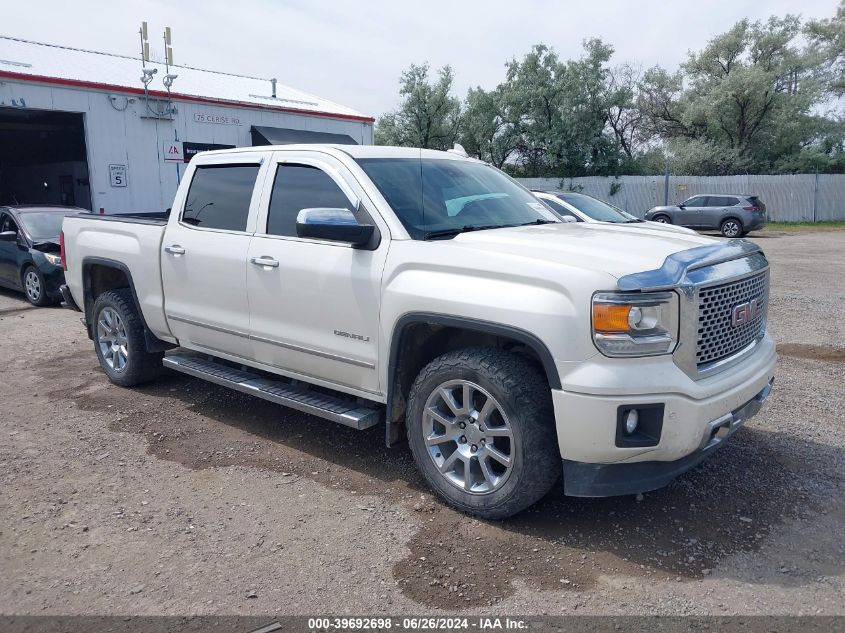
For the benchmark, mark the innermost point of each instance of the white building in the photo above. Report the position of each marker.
(78, 127)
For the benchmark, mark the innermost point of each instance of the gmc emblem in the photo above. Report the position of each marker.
(745, 312)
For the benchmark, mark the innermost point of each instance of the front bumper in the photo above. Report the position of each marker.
(604, 480)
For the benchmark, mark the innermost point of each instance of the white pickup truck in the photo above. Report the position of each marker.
(433, 294)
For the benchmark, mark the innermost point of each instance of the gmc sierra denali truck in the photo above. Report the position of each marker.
(432, 294)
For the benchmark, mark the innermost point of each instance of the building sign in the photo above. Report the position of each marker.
(217, 119)
(117, 174)
(191, 149)
(173, 152)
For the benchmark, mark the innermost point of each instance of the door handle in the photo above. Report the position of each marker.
(174, 250)
(266, 262)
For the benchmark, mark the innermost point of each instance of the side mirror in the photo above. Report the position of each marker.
(337, 225)
(681, 205)
(569, 219)
(9, 236)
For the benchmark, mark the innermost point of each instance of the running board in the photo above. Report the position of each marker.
(346, 412)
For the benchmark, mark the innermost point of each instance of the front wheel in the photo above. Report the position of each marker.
(119, 340)
(663, 219)
(35, 287)
(481, 430)
(731, 228)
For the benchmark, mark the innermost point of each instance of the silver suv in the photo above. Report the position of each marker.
(734, 215)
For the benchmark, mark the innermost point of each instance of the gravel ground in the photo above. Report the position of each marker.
(185, 498)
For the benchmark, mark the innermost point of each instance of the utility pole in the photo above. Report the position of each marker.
(666, 184)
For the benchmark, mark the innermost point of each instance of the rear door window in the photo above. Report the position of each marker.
(219, 197)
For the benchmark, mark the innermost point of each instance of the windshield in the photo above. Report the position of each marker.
(441, 197)
(42, 227)
(596, 209)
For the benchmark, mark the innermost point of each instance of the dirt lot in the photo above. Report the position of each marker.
(185, 498)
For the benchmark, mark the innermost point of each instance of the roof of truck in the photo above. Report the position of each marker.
(355, 151)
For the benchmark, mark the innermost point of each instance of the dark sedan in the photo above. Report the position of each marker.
(29, 251)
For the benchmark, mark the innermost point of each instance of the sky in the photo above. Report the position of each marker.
(353, 51)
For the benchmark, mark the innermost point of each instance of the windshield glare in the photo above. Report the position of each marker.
(596, 209)
(42, 227)
(431, 195)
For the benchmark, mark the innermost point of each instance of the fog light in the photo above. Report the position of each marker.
(632, 418)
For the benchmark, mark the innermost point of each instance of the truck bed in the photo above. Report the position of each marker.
(133, 243)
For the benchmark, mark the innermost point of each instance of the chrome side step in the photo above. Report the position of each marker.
(340, 410)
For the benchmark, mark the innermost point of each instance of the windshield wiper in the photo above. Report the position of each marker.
(463, 229)
(481, 227)
(536, 222)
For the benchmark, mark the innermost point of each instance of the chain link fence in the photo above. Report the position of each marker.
(788, 198)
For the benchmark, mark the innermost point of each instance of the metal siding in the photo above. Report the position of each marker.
(788, 197)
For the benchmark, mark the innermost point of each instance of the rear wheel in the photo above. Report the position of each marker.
(482, 433)
(119, 340)
(731, 228)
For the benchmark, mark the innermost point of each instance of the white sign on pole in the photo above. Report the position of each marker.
(117, 174)
(173, 152)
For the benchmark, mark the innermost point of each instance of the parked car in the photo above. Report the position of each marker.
(433, 295)
(733, 215)
(29, 251)
(584, 208)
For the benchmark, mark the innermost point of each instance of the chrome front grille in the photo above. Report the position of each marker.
(718, 337)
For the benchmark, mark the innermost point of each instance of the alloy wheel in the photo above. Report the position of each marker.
(731, 228)
(468, 437)
(111, 337)
(32, 284)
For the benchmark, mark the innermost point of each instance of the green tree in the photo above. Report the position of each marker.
(559, 112)
(750, 95)
(828, 39)
(428, 116)
(487, 131)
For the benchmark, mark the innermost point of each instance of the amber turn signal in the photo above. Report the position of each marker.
(609, 317)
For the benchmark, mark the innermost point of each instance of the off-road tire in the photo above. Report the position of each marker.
(141, 366)
(525, 397)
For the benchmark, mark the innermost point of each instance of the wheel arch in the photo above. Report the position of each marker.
(419, 337)
(99, 275)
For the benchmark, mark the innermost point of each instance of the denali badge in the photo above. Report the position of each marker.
(357, 337)
(745, 312)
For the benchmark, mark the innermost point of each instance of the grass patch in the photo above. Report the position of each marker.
(837, 225)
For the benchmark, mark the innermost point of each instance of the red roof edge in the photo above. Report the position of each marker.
(78, 83)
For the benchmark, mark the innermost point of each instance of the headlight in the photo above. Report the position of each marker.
(56, 260)
(628, 324)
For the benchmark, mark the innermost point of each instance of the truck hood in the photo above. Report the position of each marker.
(616, 249)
